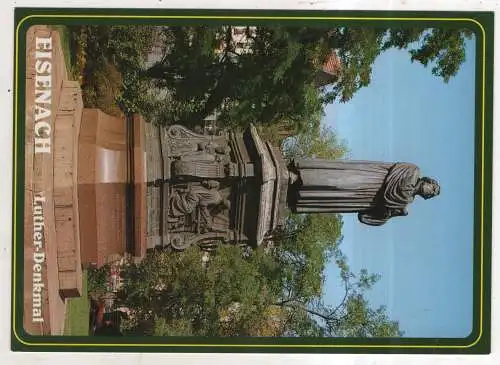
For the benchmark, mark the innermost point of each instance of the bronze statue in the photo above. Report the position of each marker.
(377, 191)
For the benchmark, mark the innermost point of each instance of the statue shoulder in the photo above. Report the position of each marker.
(407, 169)
(399, 185)
(406, 166)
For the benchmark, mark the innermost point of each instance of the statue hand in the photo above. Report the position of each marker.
(398, 212)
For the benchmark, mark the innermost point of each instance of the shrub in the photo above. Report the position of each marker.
(97, 279)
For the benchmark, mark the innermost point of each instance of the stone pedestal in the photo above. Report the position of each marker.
(228, 188)
(112, 186)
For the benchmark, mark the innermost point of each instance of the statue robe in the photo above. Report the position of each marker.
(376, 191)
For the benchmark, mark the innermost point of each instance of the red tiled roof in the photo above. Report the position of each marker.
(332, 65)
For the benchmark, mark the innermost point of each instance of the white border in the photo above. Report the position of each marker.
(6, 80)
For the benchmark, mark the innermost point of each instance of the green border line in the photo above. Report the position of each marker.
(222, 17)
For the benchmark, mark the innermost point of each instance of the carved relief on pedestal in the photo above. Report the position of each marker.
(197, 155)
(202, 169)
(197, 212)
(200, 173)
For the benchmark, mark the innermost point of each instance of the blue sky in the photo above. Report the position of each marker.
(425, 259)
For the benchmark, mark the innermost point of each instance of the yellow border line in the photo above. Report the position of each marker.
(14, 270)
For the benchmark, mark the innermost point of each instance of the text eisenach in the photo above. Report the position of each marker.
(43, 95)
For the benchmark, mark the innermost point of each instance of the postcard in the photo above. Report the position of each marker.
(252, 181)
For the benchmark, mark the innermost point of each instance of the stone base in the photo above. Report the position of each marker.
(51, 189)
(237, 183)
(67, 128)
(112, 188)
(102, 180)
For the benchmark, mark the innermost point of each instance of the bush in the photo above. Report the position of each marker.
(97, 279)
(102, 88)
(110, 59)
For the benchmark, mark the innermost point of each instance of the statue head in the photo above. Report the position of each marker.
(428, 188)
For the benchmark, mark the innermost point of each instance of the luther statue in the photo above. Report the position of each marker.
(376, 191)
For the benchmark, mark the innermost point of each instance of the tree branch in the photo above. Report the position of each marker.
(342, 303)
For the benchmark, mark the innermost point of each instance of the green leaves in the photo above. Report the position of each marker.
(359, 47)
(315, 141)
(276, 291)
(265, 85)
(359, 320)
(445, 49)
(97, 278)
(269, 78)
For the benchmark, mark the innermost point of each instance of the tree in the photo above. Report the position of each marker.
(249, 86)
(97, 278)
(180, 295)
(113, 57)
(444, 48)
(261, 292)
(353, 316)
(274, 80)
(319, 142)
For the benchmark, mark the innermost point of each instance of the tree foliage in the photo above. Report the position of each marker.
(273, 80)
(113, 59)
(269, 291)
(320, 142)
(97, 278)
(182, 296)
